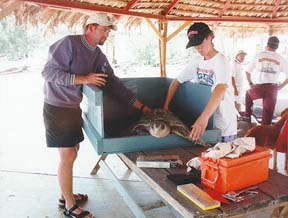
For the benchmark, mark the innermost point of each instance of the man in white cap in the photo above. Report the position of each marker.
(238, 77)
(267, 65)
(73, 61)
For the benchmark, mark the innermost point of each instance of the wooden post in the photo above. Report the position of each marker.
(162, 33)
(270, 30)
(163, 26)
(114, 60)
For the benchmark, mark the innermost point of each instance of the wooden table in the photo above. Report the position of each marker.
(272, 194)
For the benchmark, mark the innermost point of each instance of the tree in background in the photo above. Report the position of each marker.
(142, 47)
(15, 41)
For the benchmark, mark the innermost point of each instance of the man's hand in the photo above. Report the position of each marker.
(198, 128)
(165, 108)
(147, 109)
(98, 79)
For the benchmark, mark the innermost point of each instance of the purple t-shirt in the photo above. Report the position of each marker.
(70, 56)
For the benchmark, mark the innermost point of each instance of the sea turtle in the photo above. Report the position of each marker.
(160, 123)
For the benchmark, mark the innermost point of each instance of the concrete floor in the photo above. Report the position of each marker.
(28, 182)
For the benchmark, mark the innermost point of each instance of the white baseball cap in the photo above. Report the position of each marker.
(241, 52)
(101, 19)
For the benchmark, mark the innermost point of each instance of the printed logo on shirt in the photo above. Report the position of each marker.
(268, 65)
(269, 60)
(105, 68)
(205, 76)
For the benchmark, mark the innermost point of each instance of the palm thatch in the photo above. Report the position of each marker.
(237, 16)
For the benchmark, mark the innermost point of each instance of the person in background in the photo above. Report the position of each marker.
(73, 61)
(210, 68)
(267, 65)
(238, 78)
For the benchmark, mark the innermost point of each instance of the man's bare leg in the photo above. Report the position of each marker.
(65, 176)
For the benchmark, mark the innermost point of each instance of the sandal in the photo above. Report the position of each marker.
(70, 214)
(79, 198)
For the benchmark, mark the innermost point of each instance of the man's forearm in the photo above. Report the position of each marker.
(248, 76)
(283, 84)
(215, 99)
(234, 85)
(171, 91)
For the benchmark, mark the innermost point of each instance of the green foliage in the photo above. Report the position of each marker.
(148, 54)
(144, 48)
(177, 52)
(15, 41)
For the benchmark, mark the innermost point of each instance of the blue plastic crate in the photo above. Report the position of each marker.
(105, 117)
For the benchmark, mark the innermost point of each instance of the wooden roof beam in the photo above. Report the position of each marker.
(72, 5)
(230, 19)
(154, 28)
(276, 8)
(170, 7)
(127, 8)
(130, 4)
(178, 30)
(228, 2)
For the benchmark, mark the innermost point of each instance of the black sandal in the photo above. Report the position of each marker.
(81, 198)
(70, 214)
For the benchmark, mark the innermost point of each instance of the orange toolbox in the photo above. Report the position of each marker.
(226, 174)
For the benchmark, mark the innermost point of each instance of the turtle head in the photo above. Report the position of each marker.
(159, 129)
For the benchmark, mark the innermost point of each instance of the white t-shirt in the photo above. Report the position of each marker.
(267, 65)
(238, 74)
(212, 72)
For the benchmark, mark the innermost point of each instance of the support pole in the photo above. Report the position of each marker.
(162, 33)
(163, 26)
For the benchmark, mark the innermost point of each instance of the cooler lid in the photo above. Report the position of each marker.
(258, 153)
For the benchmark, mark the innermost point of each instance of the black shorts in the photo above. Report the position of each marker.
(63, 126)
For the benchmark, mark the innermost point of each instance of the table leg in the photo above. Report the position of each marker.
(97, 166)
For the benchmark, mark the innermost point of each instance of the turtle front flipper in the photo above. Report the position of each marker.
(182, 131)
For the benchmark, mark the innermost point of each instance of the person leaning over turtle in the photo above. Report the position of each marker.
(210, 68)
(73, 61)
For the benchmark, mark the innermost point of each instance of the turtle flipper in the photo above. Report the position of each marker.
(177, 126)
(183, 132)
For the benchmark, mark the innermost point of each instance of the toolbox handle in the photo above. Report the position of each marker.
(208, 180)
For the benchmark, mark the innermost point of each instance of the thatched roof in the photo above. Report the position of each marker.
(244, 15)
(236, 17)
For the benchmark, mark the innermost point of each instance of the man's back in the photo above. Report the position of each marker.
(268, 65)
